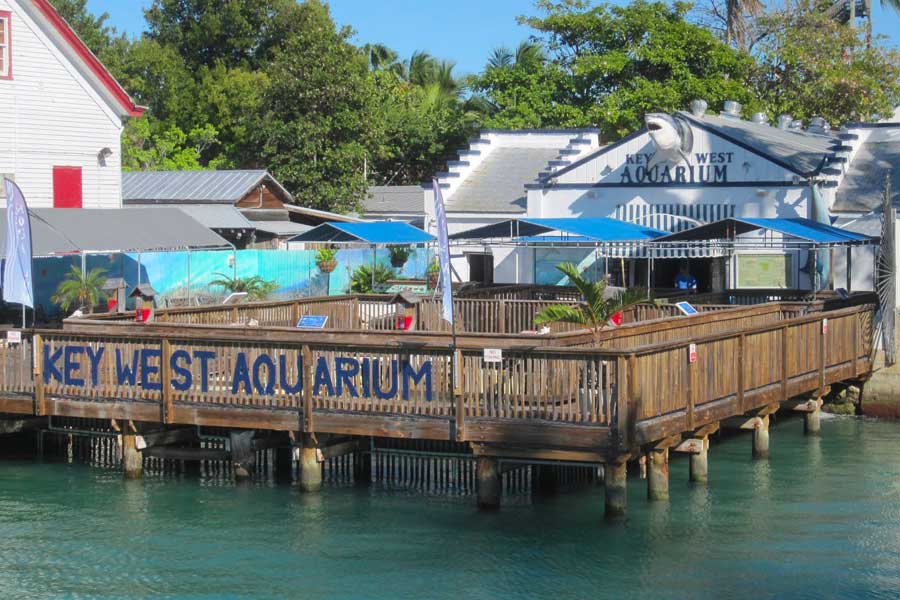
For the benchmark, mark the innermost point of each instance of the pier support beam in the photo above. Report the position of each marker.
(310, 468)
(614, 477)
(812, 422)
(132, 459)
(243, 454)
(490, 484)
(698, 467)
(761, 438)
(658, 474)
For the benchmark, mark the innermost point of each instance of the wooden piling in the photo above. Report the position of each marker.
(812, 420)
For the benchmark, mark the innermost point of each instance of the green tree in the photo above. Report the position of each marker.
(620, 62)
(235, 33)
(812, 65)
(597, 307)
(79, 289)
(317, 117)
(92, 30)
(150, 145)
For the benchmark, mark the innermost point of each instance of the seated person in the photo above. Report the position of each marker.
(684, 280)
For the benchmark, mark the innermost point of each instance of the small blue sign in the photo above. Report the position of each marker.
(686, 307)
(312, 322)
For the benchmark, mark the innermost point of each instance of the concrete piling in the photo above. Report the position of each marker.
(132, 459)
(658, 474)
(812, 421)
(310, 467)
(489, 482)
(761, 438)
(698, 467)
(614, 477)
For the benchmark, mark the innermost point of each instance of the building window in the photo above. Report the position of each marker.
(66, 187)
(5, 45)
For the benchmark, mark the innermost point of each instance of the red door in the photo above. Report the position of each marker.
(66, 187)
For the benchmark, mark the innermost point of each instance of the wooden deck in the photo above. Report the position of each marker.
(554, 397)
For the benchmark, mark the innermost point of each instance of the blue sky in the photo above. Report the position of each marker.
(464, 30)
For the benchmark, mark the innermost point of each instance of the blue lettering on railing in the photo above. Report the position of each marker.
(81, 365)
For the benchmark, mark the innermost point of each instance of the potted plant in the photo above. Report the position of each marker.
(597, 307)
(399, 255)
(326, 259)
(433, 275)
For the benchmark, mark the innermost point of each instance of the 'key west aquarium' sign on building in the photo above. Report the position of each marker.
(266, 373)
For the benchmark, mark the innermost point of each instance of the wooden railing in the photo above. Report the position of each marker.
(640, 386)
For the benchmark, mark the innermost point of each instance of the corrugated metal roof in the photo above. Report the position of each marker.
(498, 183)
(214, 216)
(375, 232)
(395, 199)
(862, 188)
(801, 151)
(193, 186)
(68, 230)
(282, 228)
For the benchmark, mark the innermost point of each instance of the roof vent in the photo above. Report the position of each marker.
(732, 109)
(698, 107)
(784, 121)
(760, 118)
(796, 125)
(818, 125)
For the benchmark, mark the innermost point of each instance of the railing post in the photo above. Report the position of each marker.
(458, 386)
(822, 335)
(295, 313)
(855, 345)
(40, 403)
(165, 380)
(689, 391)
(502, 316)
(740, 371)
(307, 390)
(622, 384)
(784, 366)
(234, 314)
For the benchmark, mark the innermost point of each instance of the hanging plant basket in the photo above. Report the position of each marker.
(397, 262)
(433, 279)
(327, 266)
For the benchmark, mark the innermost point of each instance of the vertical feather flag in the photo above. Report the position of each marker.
(17, 282)
(443, 251)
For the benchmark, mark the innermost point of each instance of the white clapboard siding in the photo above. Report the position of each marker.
(50, 116)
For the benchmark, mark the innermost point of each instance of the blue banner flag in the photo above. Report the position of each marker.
(443, 250)
(17, 286)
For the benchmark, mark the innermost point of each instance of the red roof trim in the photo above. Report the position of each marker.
(88, 57)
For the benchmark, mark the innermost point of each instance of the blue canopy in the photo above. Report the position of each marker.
(591, 229)
(798, 228)
(375, 232)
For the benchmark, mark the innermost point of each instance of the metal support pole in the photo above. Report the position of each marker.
(849, 267)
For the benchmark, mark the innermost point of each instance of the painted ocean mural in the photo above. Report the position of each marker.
(177, 275)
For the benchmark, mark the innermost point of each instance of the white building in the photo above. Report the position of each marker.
(61, 112)
(681, 170)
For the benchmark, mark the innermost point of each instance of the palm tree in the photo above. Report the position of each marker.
(527, 54)
(80, 289)
(596, 310)
(737, 13)
(255, 287)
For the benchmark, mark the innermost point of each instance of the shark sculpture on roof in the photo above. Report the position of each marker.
(672, 136)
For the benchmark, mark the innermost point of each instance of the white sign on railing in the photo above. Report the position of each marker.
(493, 355)
(13, 337)
(824, 326)
(692, 353)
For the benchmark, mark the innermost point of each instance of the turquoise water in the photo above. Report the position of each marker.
(821, 519)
